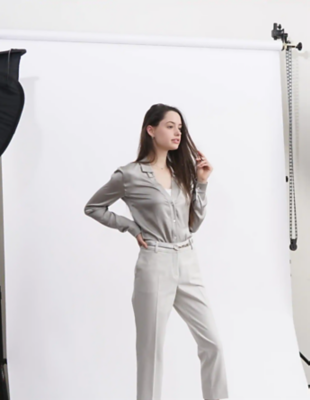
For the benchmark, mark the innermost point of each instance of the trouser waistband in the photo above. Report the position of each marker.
(175, 246)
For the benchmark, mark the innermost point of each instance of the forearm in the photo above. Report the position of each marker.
(199, 205)
(112, 220)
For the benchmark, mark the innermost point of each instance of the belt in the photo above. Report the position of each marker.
(175, 246)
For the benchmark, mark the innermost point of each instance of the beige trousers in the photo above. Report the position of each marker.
(167, 277)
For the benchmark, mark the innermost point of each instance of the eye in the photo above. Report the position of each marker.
(171, 126)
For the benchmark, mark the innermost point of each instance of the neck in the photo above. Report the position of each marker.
(160, 160)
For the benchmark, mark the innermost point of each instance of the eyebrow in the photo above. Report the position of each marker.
(173, 122)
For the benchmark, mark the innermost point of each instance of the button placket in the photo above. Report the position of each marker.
(175, 192)
(173, 220)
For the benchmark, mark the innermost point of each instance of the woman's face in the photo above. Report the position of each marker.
(167, 130)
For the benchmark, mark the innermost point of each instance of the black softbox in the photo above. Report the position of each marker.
(12, 100)
(12, 97)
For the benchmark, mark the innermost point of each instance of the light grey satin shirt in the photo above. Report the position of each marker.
(157, 215)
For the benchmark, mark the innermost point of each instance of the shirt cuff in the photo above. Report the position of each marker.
(134, 229)
(201, 186)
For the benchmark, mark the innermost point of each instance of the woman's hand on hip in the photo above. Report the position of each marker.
(141, 242)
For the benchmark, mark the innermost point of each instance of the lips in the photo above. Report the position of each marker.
(175, 141)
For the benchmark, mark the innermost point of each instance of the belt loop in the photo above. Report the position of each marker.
(191, 242)
(156, 246)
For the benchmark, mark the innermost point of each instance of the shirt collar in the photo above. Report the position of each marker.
(148, 167)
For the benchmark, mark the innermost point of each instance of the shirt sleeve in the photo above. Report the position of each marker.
(199, 205)
(98, 206)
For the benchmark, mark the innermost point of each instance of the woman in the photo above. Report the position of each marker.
(165, 191)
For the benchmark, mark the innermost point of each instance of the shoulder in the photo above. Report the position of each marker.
(130, 169)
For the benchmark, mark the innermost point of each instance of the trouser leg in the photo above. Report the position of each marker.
(192, 304)
(154, 292)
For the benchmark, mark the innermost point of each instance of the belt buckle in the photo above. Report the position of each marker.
(176, 246)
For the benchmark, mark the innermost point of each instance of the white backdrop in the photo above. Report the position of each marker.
(69, 279)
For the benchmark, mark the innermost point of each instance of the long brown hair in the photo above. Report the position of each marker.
(182, 160)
